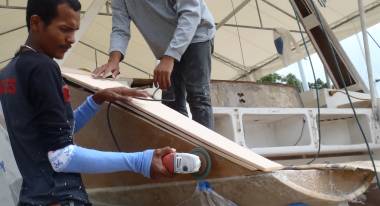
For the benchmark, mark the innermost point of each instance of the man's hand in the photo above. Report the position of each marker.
(163, 72)
(112, 66)
(157, 169)
(122, 94)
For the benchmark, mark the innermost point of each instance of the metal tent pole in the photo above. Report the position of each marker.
(372, 87)
(305, 85)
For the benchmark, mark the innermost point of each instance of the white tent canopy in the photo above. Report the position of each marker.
(244, 44)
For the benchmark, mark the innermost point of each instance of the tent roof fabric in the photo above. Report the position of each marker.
(248, 47)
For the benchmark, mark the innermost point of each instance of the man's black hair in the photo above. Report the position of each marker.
(47, 10)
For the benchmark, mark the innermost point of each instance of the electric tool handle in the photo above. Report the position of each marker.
(168, 162)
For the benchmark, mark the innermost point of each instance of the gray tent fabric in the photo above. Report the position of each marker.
(247, 37)
(10, 177)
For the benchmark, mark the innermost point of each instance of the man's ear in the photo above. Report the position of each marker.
(35, 23)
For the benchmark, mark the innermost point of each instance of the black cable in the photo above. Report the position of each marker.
(378, 45)
(348, 96)
(109, 119)
(303, 127)
(373, 39)
(316, 88)
(110, 127)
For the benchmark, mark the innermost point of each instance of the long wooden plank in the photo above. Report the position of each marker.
(209, 138)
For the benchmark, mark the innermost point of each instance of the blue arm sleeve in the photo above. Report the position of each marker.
(75, 159)
(84, 113)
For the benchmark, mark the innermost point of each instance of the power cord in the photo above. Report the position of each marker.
(109, 119)
(316, 88)
(300, 137)
(348, 96)
(110, 127)
(374, 40)
(378, 45)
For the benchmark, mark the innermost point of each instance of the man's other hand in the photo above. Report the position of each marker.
(111, 67)
(104, 70)
(163, 72)
(122, 94)
(157, 168)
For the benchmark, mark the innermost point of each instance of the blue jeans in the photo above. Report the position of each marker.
(191, 82)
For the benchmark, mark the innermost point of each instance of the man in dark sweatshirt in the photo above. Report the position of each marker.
(41, 123)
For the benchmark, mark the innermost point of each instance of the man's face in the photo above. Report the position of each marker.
(57, 37)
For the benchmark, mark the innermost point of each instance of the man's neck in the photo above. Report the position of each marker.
(32, 45)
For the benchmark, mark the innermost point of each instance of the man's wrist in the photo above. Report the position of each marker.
(98, 98)
(115, 57)
(94, 105)
(167, 58)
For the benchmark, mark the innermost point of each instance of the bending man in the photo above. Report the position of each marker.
(180, 34)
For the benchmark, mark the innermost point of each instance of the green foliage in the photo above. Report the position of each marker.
(319, 84)
(271, 78)
(291, 80)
